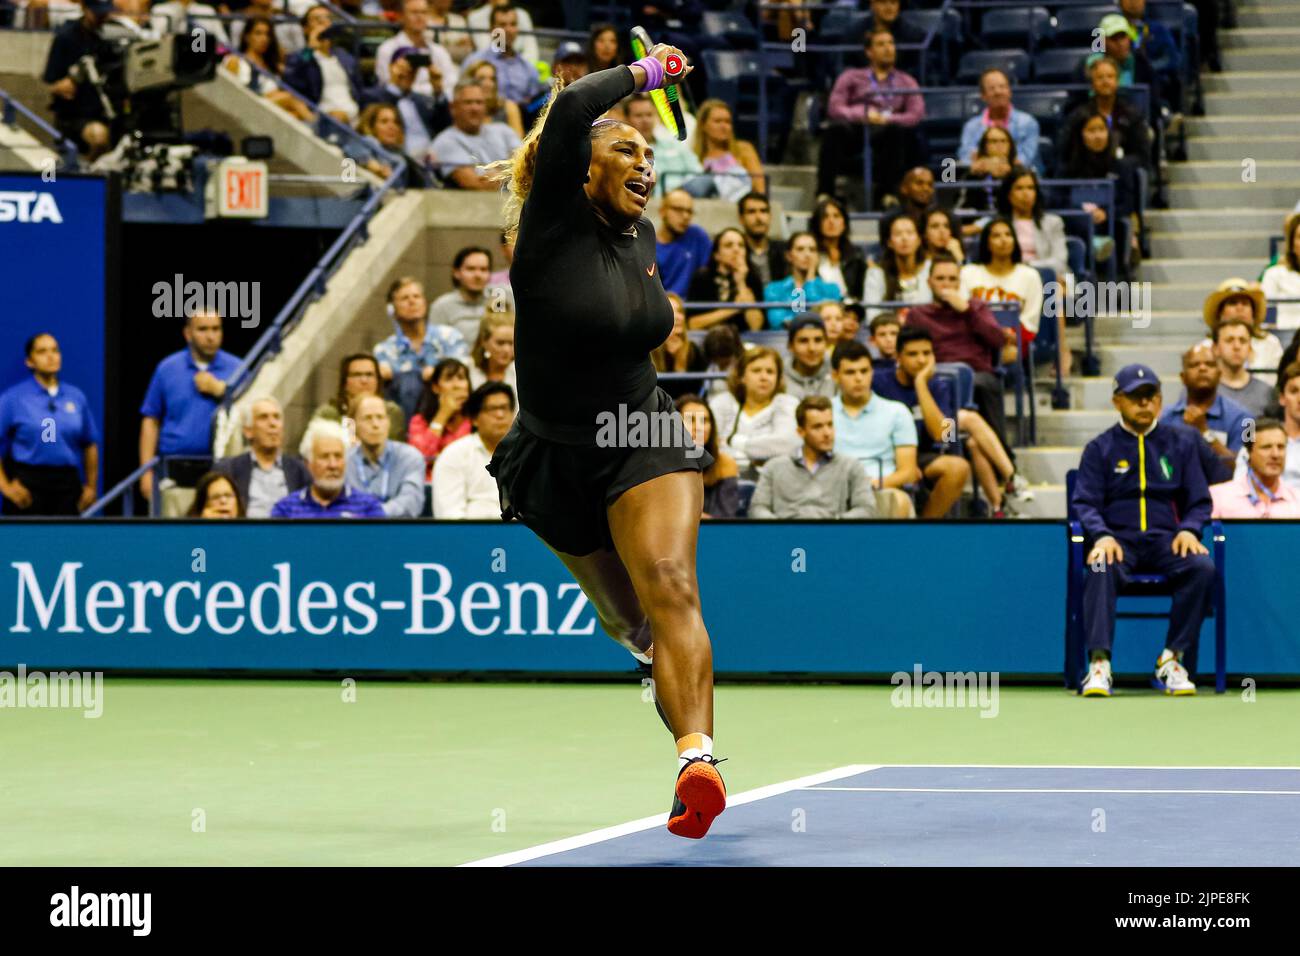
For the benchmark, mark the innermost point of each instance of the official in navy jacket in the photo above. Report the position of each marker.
(1143, 500)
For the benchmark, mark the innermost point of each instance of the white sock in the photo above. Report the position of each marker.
(643, 658)
(692, 746)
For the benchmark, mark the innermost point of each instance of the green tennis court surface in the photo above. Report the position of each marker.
(210, 772)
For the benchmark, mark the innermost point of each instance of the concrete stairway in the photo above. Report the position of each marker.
(1242, 178)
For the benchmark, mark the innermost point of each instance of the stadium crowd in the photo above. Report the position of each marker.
(824, 373)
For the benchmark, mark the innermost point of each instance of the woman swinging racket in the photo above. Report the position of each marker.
(589, 303)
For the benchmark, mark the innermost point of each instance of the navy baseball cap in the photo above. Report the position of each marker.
(805, 320)
(569, 50)
(1132, 377)
(403, 52)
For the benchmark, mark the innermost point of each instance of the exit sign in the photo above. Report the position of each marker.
(242, 188)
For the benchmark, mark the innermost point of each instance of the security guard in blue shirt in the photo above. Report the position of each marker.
(1142, 498)
(47, 436)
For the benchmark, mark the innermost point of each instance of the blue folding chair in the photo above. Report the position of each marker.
(1140, 586)
(1008, 316)
(746, 489)
(1074, 24)
(1028, 28)
(1061, 66)
(972, 64)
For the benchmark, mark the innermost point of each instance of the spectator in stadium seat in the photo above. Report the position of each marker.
(1128, 126)
(678, 353)
(802, 286)
(766, 255)
(450, 30)
(903, 272)
(215, 496)
(49, 444)
(423, 116)
(995, 157)
(813, 483)
(258, 44)
(1237, 298)
(405, 365)
(1142, 498)
(726, 278)
(462, 487)
(482, 23)
(916, 192)
(885, 16)
(832, 316)
(995, 90)
(288, 36)
(682, 247)
(392, 471)
(329, 78)
(324, 447)
(852, 319)
(440, 418)
(674, 162)
(471, 296)
(1092, 153)
(858, 103)
(496, 107)
(185, 16)
(1134, 68)
(494, 350)
(1220, 421)
(383, 136)
(997, 276)
(517, 77)
(1232, 348)
(1259, 491)
(882, 338)
(263, 474)
(838, 259)
(964, 330)
(810, 361)
(877, 432)
(721, 481)
(1041, 234)
(942, 235)
(733, 164)
(502, 276)
(722, 350)
(603, 47)
(1289, 403)
(755, 417)
(1282, 280)
(569, 62)
(471, 141)
(1157, 44)
(415, 35)
(359, 375)
(181, 398)
(78, 112)
(933, 404)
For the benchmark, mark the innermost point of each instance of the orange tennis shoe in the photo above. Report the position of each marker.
(700, 795)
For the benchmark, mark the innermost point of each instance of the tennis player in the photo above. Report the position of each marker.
(590, 308)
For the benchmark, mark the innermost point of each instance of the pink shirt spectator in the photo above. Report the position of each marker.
(857, 89)
(1244, 497)
(430, 443)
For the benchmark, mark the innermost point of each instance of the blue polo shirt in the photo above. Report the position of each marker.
(185, 412)
(886, 384)
(679, 259)
(349, 504)
(43, 429)
(815, 290)
(1226, 420)
(874, 433)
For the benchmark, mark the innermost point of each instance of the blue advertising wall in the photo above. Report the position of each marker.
(831, 598)
(52, 279)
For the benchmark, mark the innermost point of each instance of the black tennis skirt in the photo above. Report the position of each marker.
(562, 488)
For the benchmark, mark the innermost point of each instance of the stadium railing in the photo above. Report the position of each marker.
(11, 109)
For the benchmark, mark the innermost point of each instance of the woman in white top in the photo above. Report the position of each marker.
(997, 275)
(839, 260)
(756, 417)
(1282, 281)
(260, 48)
(903, 274)
(493, 356)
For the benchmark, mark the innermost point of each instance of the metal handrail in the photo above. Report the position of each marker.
(123, 486)
(10, 108)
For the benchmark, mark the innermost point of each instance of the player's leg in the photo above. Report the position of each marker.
(947, 476)
(605, 582)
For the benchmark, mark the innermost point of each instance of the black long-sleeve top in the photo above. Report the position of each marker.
(589, 304)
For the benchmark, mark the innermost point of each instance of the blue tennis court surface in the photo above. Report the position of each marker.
(974, 816)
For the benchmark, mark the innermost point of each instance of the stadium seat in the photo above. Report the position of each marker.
(732, 26)
(746, 489)
(1008, 316)
(1015, 62)
(1046, 106)
(844, 25)
(1061, 66)
(1141, 586)
(1074, 25)
(1025, 27)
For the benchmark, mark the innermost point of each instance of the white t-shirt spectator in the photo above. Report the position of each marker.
(462, 487)
(914, 291)
(1282, 282)
(438, 55)
(336, 91)
(753, 439)
(1023, 286)
(480, 20)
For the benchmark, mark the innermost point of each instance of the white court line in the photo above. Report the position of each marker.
(1288, 793)
(1073, 766)
(661, 819)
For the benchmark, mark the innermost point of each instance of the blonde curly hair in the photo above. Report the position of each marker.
(517, 172)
